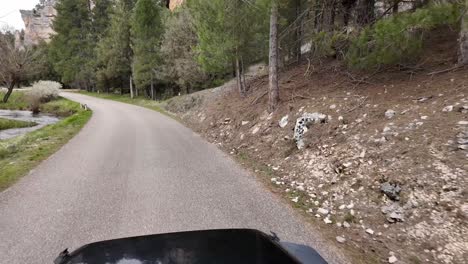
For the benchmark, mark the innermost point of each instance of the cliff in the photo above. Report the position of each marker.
(38, 22)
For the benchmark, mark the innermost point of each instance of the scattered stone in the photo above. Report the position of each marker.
(284, 121)
(423, 99)
(424, 117)
(255, 130)
(295, 199)
(394, 212)
(333, 106)
(340, 239)
(327, 220)
(462, 123)
(448, 108)
(369, 231)
(392, 190)
(392, 259)
(340, 118)
(346, 224)
(350, 206)
(245, 123)
(342, 207)
(301, 126)
(390, 113)
(322, 211)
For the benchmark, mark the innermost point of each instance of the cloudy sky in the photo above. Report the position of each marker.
(9, 12)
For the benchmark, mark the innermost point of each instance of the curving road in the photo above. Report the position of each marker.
(132, 171)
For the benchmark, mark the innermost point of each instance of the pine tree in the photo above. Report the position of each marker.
(114, 53)
(71, 47)
(147, 33)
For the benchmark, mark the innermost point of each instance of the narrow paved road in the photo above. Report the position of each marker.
(132, 171)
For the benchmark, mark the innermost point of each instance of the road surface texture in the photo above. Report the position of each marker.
(132, 171)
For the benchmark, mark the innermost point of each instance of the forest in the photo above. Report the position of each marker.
(142, 48)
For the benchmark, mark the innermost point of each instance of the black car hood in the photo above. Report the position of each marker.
(212, 246)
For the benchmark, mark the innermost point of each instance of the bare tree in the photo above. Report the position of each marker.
(16, 64)
(463, 58)
(273, 58)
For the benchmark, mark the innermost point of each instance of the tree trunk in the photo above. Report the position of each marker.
(244, 84)
(131, 88)
(463, 56)
(298, 35)
(239, 77)
(152, 87)
(365, 12)
(8, 93)
(273, 59)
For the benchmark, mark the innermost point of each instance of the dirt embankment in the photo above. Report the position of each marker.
(385, 176)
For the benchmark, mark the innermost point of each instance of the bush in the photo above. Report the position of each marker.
(42, 92)
(398, 38)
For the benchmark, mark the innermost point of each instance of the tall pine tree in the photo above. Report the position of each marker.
(71, 48)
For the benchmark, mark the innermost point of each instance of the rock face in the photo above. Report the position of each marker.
(38, 22)
(175, 3)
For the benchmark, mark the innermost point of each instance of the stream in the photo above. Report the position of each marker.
(41, 120)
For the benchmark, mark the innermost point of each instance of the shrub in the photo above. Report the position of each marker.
(398, 38)
(42, 92)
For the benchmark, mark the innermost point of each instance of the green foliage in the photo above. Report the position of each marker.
(326, 44)
(71, 48)
(228, 30)
(9, 123)
(114, 53)
(178, 51)
(147, 30)
(398, 38)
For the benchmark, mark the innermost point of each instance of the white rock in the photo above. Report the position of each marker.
(346, 224)
(322, 211)
(340, 239)
(255, 130)
(369, 231)
(295, 199)
(448, 108)
(350, 206)
(424, 117)
(333, 106)
(340, 118)
(463, 123)
(327, 220)
(392, 259)
(284, 121)
(245, 123)
(390, 113)
(342, 207)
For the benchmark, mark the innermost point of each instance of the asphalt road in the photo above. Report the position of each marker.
(132, 171)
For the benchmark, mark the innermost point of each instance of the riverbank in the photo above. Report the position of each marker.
(21, 154)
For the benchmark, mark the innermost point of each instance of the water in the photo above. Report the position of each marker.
(41, 120)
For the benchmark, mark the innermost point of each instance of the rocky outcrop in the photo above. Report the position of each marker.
(175, 3)
(38, 22)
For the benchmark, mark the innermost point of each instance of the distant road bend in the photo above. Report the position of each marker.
(132, 171)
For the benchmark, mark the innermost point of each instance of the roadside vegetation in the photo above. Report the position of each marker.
(20, 154)
(8, 124)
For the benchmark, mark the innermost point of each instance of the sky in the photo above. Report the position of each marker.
(9, 12)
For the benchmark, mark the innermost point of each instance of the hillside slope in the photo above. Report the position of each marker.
(385, 176)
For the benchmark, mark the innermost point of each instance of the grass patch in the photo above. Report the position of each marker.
(10, 123)
(17, 101)
(20, 154)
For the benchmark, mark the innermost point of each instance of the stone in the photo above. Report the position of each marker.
(392, 259)
(391, 190)
(284, 121)
(340, 239)
(327, 220)
(394, 212)
(38, 23)
(390, 113)
(295, 199)
(255, 130)
(424, 117)
(448, 108)
(346, 224)
(243, 123)
(369, 231)
(333, 106)
(463, 123)
(322, 211)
